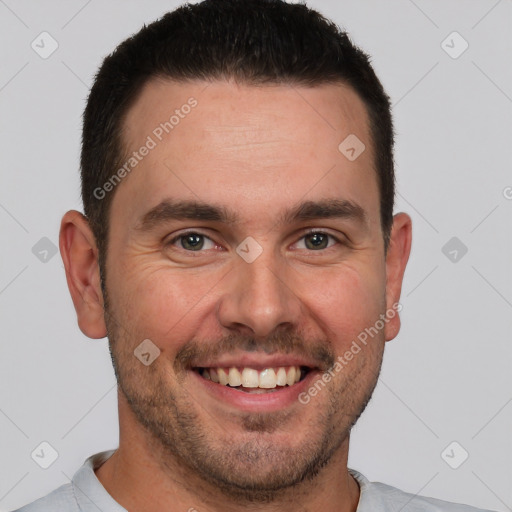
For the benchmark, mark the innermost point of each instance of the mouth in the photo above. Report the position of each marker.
(252, 380)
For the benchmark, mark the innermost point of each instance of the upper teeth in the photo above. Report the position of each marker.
(250, 378)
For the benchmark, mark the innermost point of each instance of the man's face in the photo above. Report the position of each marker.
(211, 299)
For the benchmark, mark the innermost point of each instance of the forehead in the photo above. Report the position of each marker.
(255, 147)
(335, 107)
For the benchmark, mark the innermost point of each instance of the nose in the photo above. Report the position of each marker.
(259, 298)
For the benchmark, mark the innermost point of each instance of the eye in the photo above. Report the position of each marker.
(317, 240)
(193, 241)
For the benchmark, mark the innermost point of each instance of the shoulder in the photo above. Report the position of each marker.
(84, 492)
(62, 499)
(376, 496)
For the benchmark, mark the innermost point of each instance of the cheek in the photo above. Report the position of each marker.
(161, 303)
(344, 301)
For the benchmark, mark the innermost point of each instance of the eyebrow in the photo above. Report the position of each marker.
(325, 209)
(169, 209)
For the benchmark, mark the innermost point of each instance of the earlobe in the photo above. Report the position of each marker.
(396, 261)
(80, 256)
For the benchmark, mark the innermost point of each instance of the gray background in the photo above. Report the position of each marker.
(445, 378)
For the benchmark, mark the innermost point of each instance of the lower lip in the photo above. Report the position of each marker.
(256, 402)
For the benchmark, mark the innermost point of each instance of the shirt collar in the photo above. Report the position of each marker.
(91, 496)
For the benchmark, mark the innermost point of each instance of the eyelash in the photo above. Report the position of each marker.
(195, 232)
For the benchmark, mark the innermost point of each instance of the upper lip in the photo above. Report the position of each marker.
(256, 361)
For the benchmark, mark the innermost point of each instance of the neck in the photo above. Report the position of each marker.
(141, 475)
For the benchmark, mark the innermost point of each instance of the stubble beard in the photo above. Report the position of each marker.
(253, 469)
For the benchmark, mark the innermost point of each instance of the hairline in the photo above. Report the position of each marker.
(122, 150)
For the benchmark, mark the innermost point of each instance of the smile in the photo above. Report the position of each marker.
(251, 380)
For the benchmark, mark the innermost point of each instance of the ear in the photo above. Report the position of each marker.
(396, 261)
(80, 256)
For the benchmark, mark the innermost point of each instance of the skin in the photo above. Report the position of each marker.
(258, 151)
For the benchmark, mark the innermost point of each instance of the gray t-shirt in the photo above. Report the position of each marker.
(86, 494)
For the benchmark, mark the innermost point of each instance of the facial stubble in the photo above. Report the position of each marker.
(252, 468)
